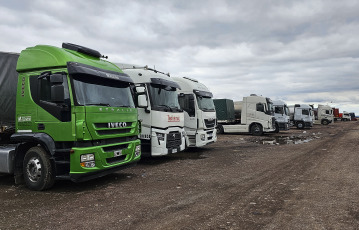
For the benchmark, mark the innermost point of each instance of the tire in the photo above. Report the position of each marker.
(276, 128)
(300, 125)
(256, 130)
(220, 129)
(325, 122)
(37, 169)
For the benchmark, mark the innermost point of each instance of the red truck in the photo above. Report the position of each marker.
(336, 114)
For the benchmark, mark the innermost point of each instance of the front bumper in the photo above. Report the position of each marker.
(173, 142)
(201, 138)
(105, 161)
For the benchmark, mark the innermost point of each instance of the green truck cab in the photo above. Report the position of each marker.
(75, 118)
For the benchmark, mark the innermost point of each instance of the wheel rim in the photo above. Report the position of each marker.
(256, 129)
(300, 125)
(33, 169)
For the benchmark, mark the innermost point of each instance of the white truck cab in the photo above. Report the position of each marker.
(252, 115)
(199, 112)
(301, 115)
(324, 115)
(346, 116)
(159, 113)
(281, 114)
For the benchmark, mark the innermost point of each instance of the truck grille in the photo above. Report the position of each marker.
(117, 128)
(210, 123)
(174, 140)
(105, 125)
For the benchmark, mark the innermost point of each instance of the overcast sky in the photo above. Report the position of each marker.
(296, 51)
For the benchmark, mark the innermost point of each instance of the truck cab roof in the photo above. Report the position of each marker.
(44, 56)
(189, 85)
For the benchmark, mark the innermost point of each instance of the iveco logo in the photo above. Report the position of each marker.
(117, 124)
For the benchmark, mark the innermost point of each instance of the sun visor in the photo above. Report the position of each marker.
(75, 68)
(202, 93)
(164, 82)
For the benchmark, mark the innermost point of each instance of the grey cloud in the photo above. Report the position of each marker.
(304, 51)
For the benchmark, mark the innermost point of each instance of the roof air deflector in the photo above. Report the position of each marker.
(81, 49)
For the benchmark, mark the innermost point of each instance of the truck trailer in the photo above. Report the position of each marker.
(199, 112)
(301, 115)
(159, 113)
(252, 115)
(281, 114)
(66, 115)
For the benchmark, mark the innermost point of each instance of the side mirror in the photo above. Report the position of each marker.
(140, 89)
(142, 101)
(57, 93)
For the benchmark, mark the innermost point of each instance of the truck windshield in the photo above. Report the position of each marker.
(105, 93)
(164, 98)
(270, 108)
(205, 103)
(278, 109)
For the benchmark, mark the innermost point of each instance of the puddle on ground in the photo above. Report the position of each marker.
(286, 140)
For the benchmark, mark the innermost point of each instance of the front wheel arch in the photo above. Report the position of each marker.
(38, 171)
(256, 129)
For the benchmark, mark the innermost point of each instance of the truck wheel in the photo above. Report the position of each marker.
(300, 125)
(256, 130)
(325, 122)
(220, 129)
(37, 169)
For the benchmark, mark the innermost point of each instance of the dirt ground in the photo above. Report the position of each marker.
(297, 179)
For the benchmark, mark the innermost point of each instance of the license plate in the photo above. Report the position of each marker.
(210, 134)
(174, 150)
(117, 153)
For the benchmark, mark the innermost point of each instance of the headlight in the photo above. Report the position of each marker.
(203, 137)
(88, 160)
(87, 157)
(138, 151)
(160, 136)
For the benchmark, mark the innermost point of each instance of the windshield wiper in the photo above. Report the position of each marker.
(166, 107)
(102, 104)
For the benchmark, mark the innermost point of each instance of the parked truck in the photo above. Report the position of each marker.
(301, 115)
(336, 114)
(323, 115)
(159, 113)
(252, 115)
(281, 114)
(65, 114)
(345, 116)
(199, 112)
(352, 116)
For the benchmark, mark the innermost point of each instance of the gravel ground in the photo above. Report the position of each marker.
(297, 179)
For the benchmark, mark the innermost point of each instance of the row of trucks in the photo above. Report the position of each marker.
(344, 116)
(68, 114)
